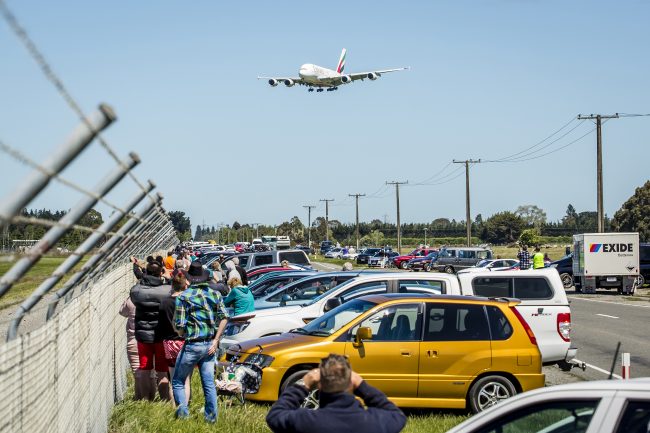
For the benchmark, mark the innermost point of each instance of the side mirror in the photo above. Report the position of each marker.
(331, 304)
(364, 333)
(285, 298)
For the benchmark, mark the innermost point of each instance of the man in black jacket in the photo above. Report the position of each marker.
(339, 410)
(147, 296)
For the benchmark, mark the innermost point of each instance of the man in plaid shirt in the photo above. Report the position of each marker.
(200, 317)
(524, 258)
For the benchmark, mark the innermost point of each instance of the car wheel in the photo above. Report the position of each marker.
(295, 377)
(449, 269)
(640, 281)
(427, 267)
(567, 279)
(488, 391)
(404, 265)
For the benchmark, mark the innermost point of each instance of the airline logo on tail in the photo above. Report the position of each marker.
(341, 65)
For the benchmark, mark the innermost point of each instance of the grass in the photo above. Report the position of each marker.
(32, 279)
(131, 416)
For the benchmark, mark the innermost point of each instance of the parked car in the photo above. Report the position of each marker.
(305, 248)
(544, 305)
(644, 264)
(365, 254)
(352, 254)
(452, 259)
(491, 265)
(213, 255)
(275, 257)
(382, 259)
(603, 406)
(425, 263)
(421, 351)
(276, 280)
(272, 321)
(402, 261)
(564, 267)
(334, 253)
(325, 246)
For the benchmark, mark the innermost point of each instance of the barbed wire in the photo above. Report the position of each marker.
(49, 73)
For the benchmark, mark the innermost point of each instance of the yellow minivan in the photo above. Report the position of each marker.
(421, 351)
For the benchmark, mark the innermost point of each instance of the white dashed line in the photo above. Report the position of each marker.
(606, 315)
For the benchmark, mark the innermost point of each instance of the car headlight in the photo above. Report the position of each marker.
(233, 328)
(259, 359)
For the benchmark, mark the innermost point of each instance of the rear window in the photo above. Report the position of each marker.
(499, 326)
(297, 257)
(265, 259)
(412, 286)
(645, 253)
(455, 322)
(518, 287)
(243, 261)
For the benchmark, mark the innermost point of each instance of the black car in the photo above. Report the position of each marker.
(325, 246)
(305, 248)
(423, 263)
(644, 263)
(564, 267)
(362, 258)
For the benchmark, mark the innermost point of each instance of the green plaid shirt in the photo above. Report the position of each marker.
(199, 310)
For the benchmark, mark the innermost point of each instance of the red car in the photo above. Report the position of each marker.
(401, 261)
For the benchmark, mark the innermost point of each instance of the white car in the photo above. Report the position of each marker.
(603, 406)
(544, 306)
(334, 253)
(350, 256)
(273, 321)
(491, 265)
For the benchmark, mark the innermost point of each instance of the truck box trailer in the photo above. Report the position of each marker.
(606, 260)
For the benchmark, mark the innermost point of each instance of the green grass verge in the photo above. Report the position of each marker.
(24, 287)
(131, 416)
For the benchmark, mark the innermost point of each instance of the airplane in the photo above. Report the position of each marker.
(322, 78)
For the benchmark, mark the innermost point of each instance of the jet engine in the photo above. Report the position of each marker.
(273, 82)
(345, 79)
(373, 76)
(289, 83)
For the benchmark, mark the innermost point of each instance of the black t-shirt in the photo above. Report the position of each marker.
(166, 320)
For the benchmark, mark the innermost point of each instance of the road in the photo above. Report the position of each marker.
(599, 323)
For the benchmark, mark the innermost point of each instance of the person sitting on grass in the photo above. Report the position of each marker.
(339, 409)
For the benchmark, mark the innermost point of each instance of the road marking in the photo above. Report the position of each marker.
(606, 315)
(573, 298)
(601, 370)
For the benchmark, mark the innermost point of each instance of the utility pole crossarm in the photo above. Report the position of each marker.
(399, 228)
(468, 216)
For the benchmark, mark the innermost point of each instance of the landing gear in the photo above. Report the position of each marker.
(311, 89)
(320, 89)
(331, 89)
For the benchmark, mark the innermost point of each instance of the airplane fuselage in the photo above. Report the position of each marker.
(317, 75)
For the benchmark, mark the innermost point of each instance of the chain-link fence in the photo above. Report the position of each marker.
(66, 373)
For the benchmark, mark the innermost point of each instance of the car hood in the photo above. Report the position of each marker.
(275, 343)
(290, 309)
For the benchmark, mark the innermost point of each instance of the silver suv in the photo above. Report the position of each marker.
(452, 259)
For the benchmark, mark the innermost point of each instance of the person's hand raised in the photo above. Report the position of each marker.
(355, 380)
(312, 379)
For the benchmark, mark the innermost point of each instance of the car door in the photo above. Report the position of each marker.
(389, 360)
(455, 348)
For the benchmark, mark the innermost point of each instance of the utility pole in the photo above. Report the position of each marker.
(425, 236)
(468, 217)
(399, 229)
(257, 229)
(599, 165)
(327, 217)
(356, 196)
(309, 208)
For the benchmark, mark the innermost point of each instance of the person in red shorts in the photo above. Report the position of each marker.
(147, 296)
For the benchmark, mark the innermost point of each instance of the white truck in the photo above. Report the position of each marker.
(606, 260)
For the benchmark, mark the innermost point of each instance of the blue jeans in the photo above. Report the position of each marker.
(195, 353)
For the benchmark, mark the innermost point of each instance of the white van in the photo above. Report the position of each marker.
(544, 305)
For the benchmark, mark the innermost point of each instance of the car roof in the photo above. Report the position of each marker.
(641, 384)
(385, 297)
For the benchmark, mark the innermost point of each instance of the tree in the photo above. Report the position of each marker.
(503, 228)
(181, 224)
(529, 237)
(532, 215)
(199, 233)
(236, 226)
(375, 238)
(571, 216)
(634, 215)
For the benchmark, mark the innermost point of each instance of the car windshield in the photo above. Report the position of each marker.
(335, 319)
(432, 255)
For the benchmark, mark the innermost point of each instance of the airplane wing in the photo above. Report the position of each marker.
(373, 75)
(287, 81)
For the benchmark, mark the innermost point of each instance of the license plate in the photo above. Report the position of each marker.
(611, 279)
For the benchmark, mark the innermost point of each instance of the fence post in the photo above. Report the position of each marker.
(625, 365)
(72, 261)
(80, 138)
(55, 233)
(103, 251)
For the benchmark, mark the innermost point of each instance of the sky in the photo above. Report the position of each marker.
(488, 79)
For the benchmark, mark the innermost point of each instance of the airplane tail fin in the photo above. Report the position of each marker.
(341, 65)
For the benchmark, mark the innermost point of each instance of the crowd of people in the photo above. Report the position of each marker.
(176, 315)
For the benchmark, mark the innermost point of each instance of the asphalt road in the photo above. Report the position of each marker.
(599, 323)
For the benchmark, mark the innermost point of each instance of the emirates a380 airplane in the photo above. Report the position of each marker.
(322, 78)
